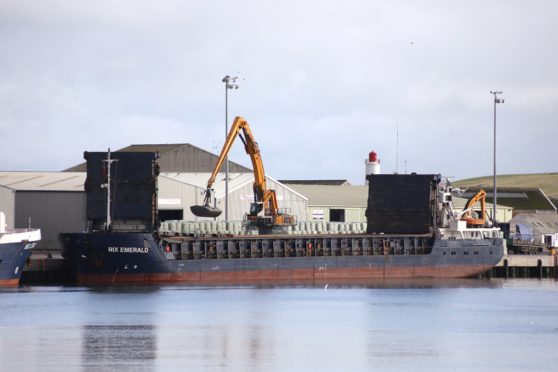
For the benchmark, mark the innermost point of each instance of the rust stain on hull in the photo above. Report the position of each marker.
(9, 282)
(305, 276)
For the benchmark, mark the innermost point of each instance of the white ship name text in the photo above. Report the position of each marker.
(128, 250)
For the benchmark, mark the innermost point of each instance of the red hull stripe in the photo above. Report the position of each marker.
(9, 282)
(299, 275)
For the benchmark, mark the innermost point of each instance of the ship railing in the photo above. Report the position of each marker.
(255, 247)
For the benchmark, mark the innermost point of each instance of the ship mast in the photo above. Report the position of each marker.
(107, 186)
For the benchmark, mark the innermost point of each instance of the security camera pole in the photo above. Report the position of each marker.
(229, 84)
(496, 101)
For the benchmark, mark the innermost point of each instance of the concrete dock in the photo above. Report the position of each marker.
(527, 266)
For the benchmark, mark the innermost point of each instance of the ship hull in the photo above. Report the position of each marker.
(13, 257)
(106, 258)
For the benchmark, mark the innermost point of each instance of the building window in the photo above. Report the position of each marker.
(337, 215)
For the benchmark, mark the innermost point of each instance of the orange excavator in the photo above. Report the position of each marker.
(467, 211)
(264, 199)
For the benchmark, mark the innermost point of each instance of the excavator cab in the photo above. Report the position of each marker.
(255, 208)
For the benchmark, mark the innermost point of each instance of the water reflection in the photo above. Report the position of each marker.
(113, 346)
(378, 284)
(409, 325)
(235, 347)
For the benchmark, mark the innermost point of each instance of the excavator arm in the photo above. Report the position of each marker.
(251, 147)
(263, 198)
(467, 215)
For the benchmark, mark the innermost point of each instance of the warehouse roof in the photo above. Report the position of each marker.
(180, 157)
(349, 196)
(236, 180)
(519, 198)
(317, 182)
(43, 181)
(74, 181)
(545, 223)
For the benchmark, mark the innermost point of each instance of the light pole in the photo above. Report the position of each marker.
(495, 200)
(230, 83)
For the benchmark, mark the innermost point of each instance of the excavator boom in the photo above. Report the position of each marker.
(467, 215)
(263, 198)
(250, 145)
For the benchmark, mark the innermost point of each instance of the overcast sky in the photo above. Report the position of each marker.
(322, 83)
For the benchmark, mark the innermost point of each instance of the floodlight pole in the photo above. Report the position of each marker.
(495, 200)
(229, 84)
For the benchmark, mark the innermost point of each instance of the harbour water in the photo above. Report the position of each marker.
(462, 325)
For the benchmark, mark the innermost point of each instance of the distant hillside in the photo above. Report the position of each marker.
(548, 182)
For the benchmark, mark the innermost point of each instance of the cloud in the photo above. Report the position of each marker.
(322, 85)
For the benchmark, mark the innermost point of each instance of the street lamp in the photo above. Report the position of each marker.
(496, 101)
(230, 83)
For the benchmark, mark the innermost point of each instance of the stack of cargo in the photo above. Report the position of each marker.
(201, 228)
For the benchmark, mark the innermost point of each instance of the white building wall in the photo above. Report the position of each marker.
(241, 197)
(239, 202)
(174, 194)
(352, 214)
(178, 195)
(7, 204)
(290, 200)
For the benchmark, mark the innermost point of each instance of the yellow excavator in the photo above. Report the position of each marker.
(467, 211)
(264, 199)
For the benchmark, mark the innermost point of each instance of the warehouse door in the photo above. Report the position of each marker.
(337, 215)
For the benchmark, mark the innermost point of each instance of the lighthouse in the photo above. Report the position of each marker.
(372, 165)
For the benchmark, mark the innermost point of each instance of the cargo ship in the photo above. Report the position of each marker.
(15, 248)
(412, 232)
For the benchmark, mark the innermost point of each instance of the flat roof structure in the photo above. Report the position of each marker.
(43, 181)
(180, 157)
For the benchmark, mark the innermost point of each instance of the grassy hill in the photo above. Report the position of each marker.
(548, 182)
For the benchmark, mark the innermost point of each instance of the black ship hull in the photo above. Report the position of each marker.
(104, 258)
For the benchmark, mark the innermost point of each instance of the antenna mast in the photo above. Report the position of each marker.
(107, 186)
(397, 148)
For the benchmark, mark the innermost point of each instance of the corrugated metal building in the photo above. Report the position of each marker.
(182, 157)
(521, 200)
(192, 186)
(536, 228)
(52, 201)
(55, 201)
(348, 203)
(334, 203)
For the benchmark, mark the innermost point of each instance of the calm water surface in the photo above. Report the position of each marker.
(460, 326)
